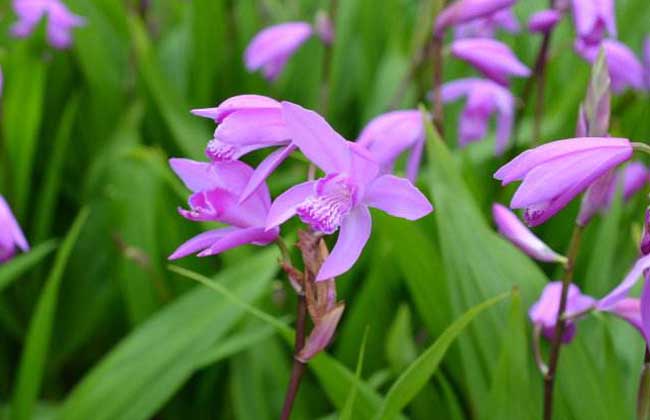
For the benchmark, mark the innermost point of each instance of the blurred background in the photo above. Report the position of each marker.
(93, 325)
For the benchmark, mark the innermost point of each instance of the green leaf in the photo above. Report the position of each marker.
(234, 344)
(348, 408)
(33, 360)
(478, 264)
(419, 372)
(49, 191)
(21, 120)
(186, 130)
(400, 349)
(149, 365)
(513, 393)
(12, 270)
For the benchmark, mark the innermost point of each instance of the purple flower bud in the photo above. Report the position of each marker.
(60, 21)
(247, 123)
(463, 11)
(510, 227)
(645, 238)
(544, 21)
(484, 98)
(11, 236)
(321, 335)
(544, 312)
(554, 173)
(390, 134)
(625, 69)
(487, 26)
(592, 18)
(492, 58)
(635, 177)
(271, 48)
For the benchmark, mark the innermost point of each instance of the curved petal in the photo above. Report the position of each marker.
(236, 103)
(253, 127)
(200, 242)
(284, 207)
(621, 291)
(397, 197)
(363, 167)
(515, 231)
(264, 169)
(353, 235)
(256, 236)
(645, 308)
(414, 160)
(316, 139)
(8, 221)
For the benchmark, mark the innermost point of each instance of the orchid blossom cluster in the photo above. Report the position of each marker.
(476, 22)
(552, 176)
(356, 176)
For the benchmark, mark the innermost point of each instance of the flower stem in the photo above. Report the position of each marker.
(643, 396)
(436, 54)
(298, 369)
(540, 77)
(327, 63)
(641, 147)
(556, 345)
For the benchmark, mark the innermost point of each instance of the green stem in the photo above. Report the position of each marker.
(556, 345)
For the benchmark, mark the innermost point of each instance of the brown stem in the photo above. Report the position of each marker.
(437, 114)
(298, 369)
(556, 344)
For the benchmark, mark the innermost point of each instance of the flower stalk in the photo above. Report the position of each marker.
(556, 345)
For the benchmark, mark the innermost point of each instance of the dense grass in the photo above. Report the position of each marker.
(94, 325)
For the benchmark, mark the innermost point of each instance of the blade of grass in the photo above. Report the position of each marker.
(419, 372)
(12, 270)
(32, 363)
(348, 408)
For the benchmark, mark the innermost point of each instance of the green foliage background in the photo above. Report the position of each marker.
(93, 325)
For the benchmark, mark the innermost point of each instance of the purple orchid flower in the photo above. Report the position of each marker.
(216, 189)
(625, 69)
(60, 20)
(352, 183)
(635, 177)
(463, 11)
(11, 236)
(390, 134)
(272, 47)
(516, 232)
(247, 123)
(484, 98)
(592, 18)
(543, 314)
(554, 173)
(544, 21)
(487, 26)
(491, 57)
